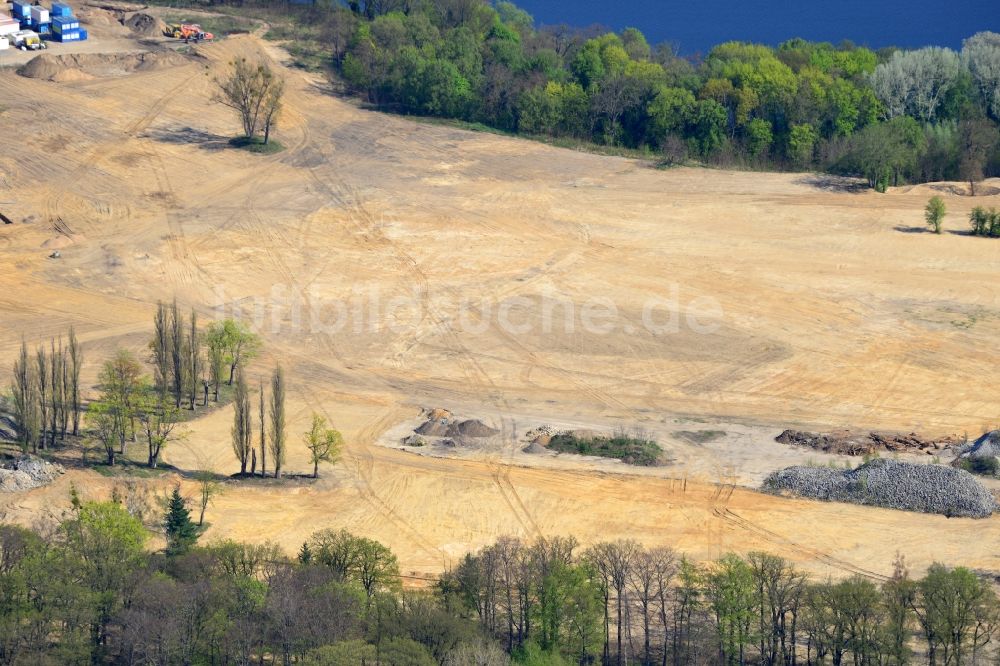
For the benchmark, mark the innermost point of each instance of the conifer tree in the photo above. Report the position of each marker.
(182, 533)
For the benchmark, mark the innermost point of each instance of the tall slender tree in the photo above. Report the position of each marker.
(242, 429)
(24, 390)
(195, 366)
(75, 364)
(177, 355)
(161, 347)
(263, 430)
(42, 372)
(277, 414)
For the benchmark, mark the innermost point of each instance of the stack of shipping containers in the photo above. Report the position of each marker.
(58, 23)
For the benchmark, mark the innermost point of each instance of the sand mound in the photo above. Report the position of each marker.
(72, 67)
(535, 448)
(145, 24)
(438, 414)
(471, 428)
(985, 188)
(890, 484)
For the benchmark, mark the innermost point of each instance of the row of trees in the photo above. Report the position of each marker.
(45, 393)
(323, 443)
(890, 115)
(627, 604)
(90, 592)
(188, 361)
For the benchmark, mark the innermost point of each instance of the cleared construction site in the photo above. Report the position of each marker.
(395, 267)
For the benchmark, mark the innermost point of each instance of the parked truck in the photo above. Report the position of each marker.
(27, 40)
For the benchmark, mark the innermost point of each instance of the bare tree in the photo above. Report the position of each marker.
(159, 420)
(24, 390)
(75, 364)
(255, 92)
(176, 326)
(978, 137)
(277, 414)
(649, 582)
(614, 562)
(208, 488)
(263, 431)
(42, 373)
(160, 348)
(194, 364)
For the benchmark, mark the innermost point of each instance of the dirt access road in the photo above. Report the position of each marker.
(814, 306)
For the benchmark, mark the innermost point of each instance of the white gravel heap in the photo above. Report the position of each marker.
(27, 472)
(890, 484)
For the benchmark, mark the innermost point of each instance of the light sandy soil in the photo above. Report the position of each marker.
(832, 312)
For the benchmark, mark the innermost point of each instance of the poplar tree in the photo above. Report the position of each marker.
(277, 414)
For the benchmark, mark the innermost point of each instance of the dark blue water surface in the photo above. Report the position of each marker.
(696, 25)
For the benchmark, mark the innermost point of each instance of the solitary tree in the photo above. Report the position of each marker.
(323, 443)
(255, 92)
(263, 431)
(208, 488)
(182, 533)
(934, 213)
(277, 414)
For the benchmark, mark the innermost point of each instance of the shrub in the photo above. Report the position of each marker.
(631, 448)
(983, 465)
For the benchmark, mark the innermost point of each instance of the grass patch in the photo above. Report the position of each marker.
(699, 436)
(631, 449)
(256, 145)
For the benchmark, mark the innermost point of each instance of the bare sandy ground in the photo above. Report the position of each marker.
(824, 307)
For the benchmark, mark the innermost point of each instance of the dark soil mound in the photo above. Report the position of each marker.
(433, 428)
(860, 444)
(471, 428)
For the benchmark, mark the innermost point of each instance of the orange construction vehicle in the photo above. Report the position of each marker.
(188, 32)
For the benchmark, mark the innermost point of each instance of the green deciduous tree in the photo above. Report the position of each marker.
(934, 213)
(323, 443)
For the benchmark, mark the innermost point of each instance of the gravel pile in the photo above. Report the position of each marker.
(26, 473)
(987, 446)
(890, 484)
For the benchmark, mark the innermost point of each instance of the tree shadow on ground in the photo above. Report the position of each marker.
(190, 136)
(830, 183)
(912, 230)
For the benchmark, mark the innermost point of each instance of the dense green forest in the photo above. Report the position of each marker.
(890, 116)
(90, 590)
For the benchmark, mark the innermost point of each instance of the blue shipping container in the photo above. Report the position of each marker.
(68, 36)
(83, 34)
(22, 10)
(63, 24)
(60, 9)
